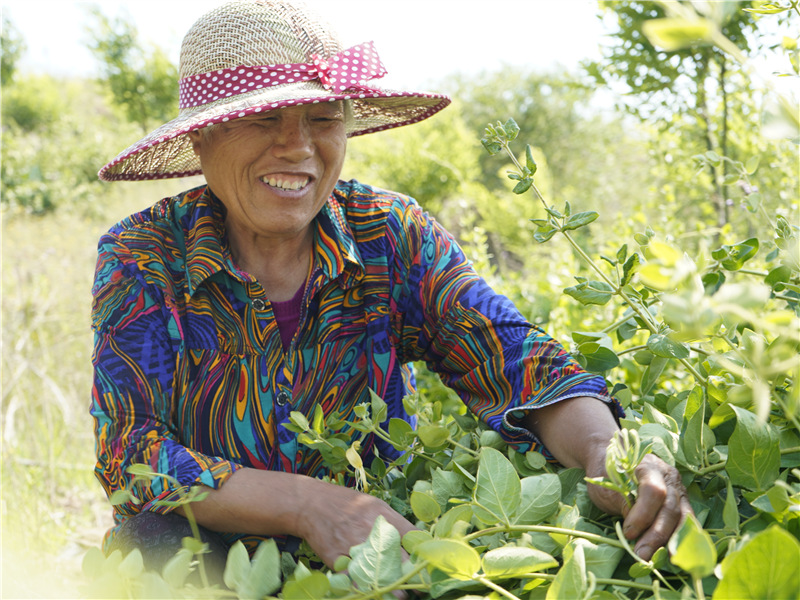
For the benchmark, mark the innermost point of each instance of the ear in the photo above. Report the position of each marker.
(196, 138)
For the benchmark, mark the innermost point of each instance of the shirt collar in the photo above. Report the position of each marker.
(201, 218)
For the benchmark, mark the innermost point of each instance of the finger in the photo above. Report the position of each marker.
(652, 493)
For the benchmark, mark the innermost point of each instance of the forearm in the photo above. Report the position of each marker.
(256, 502)
(329, 517)
(576, 431)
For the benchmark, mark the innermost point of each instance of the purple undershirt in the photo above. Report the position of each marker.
(287, 315)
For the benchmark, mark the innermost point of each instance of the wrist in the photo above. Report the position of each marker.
(594, 460)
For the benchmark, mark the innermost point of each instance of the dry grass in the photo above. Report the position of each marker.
(53, 509)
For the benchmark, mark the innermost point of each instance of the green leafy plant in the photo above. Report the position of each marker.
(700, 344)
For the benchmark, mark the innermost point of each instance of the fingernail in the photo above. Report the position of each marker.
(644, 552)
(626, 531)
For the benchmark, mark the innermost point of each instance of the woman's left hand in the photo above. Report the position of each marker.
(661, 506)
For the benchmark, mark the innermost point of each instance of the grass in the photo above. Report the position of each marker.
(51, 506)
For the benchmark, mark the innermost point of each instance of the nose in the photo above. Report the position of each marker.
(293, 140)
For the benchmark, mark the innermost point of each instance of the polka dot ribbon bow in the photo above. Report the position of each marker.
(347, 70)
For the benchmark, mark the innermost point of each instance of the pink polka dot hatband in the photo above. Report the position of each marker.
(252, 56)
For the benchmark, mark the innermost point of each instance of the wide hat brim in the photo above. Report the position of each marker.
(167, 152)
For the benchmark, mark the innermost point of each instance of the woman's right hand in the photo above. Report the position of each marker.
(333, 518)
(329, 517)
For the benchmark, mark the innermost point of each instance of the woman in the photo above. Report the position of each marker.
(276, 288)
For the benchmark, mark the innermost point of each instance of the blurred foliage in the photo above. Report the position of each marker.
(56, 135)
(12, 46)
(142, 81)
(696, 89)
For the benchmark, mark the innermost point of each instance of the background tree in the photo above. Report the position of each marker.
(12, 46)
(694, 88)
(142, 81)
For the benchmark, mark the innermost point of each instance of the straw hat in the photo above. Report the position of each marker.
(252, 56)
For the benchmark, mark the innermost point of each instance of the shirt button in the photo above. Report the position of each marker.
(259, 304)
(282, 399)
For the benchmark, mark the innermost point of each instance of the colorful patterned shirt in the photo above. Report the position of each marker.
(190, 375)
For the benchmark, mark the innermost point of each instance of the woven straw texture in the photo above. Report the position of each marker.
(258, 33)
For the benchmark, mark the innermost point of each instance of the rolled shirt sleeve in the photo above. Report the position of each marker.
(135, 352)
(478, 342)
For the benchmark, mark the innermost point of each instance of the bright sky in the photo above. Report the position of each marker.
(419, 40)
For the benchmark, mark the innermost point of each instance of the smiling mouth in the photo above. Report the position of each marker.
(286, 184)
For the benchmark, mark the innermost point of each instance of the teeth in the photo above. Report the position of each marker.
(285, 185)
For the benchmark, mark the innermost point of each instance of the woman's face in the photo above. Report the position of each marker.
(274, 171)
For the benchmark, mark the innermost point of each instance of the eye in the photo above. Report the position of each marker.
(328, 117)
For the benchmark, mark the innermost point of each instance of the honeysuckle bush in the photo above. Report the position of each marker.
(702, 352)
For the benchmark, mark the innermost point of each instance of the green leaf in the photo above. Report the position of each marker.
(313, 586)
(264, 577)
(692, 549)
(766, 568)
(529, 161)
(540, 496)
(433, 436)
(579, 220)
(602, 560)
(93, 563)
(597, 358)
(132, 565)
(778, 275)
(656, 277)
(379, 409)
(512, 129)
(570, 581)
(414, 538)
(447, 485)
(730, 512)
(733, 257)
(661, 344)
(300, 420)
(376, 562)
(400, 430)
(591, 292)
(497, 488)
(768, 9)
(652, 373)
(237, 567)
(141, 470)
(535, 460)
(542, 234)
(523, 186)
(447, 523)
(692, 438)
(177, 568)
(318, 420)
(123, 497)
(676, 33)
(629, 268)
(425, 506)
(455, 558)
(753, 452)
(512, 561)
(492, 147)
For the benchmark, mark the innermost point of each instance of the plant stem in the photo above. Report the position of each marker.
(592, 537)
(196, 534)
(618, 323)
(464, 448)
(396, 585)
(643, 314)
(632, 349)
(600, 581)
(721, 465)
(698, 588)
(500, 590)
